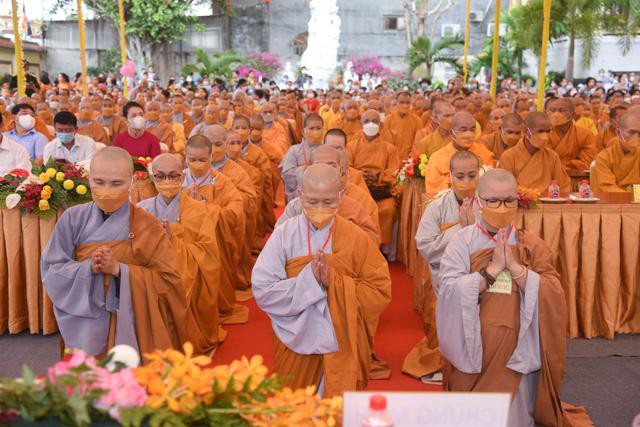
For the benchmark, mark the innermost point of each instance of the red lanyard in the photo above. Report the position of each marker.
(304, 154)
(490, 236)
(199, 182)
(326, 242)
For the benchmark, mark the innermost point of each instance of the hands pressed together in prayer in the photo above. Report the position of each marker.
(502, 259)
(167, 228)
(370, 177)
(195, 194)
(467, 214)
(320, 268)
(103, 262)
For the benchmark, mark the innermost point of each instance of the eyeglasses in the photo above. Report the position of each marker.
(494, 203)
(163, 177)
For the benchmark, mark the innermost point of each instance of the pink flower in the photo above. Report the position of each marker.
(122, 391)
(64, 366)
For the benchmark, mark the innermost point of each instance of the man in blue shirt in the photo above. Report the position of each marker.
(24, 133)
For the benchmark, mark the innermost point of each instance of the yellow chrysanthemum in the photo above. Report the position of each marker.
(43, 205)
(60, 176)
(51, 172)
(44, 177)
(68, 184)
(81, 190)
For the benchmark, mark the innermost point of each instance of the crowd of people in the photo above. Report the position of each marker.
(176, 267)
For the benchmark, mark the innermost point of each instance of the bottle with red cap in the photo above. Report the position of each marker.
(377, 416)
(554, 190)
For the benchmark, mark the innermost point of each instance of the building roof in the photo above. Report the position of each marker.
(26, 46)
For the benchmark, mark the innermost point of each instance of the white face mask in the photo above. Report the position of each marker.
(370, 129)
(137, 122)
(26, 122)
(53, 105)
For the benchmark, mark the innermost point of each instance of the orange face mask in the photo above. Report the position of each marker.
(445, 124)
(166, 117)
(558, 119)
(110, 200)
(218, 153)
(500, 217)
(210, 119)
(85, 115)
(510, 139)
(196, 111)
(539, 140)
(199, 169)
(255, 135)
(152, 116)
(314, 137)
(168, 188)
(464, 189)
(108, 112)
(234, 150)
(243, 134)
(464, 139)
(320, 217)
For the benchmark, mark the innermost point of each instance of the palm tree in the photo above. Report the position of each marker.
(424, 52)
(623, 18)
(220, 64)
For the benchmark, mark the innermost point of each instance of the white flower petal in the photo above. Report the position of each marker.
(12, 200)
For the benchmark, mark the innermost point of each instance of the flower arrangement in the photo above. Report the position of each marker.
(369, 64)
(527, 197)
(413, 167)
(266, 64)
(173, 389)
(46, 189)
(141, 168)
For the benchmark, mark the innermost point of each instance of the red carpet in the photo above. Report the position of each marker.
(399, 330)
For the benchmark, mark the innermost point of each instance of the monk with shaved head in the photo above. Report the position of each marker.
(88, 126)
(191, 229)
(618, 166)
(401, 126)
(582, 115)
(378, 160)
(210, 116)
(489, 271)
(463, 137)
(163, 131)
(494, 120)
(113, 123)
(217, 136)
(609, 131)
(323, 282)
(507, 134)
(575, 145)
(531, 160)
(440, 129)
(204, 183)
(110, 269)
(274, 146)
(349, 119)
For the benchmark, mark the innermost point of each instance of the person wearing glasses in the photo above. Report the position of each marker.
(532, 161)
(192, 233)
(500, 310)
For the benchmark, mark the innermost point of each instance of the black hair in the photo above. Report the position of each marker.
(129, 105)
(16, 108)
(65, 118)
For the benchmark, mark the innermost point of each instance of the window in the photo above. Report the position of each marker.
(300, 43)
(503, 29)
(209, 39)
(394, 23)
(450, 30)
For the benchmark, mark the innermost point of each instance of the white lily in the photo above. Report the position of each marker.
(124, 354)
(12, 200)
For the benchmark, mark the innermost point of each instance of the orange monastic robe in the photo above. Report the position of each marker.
(198, 259)
(431, 143)
(350, 209)
(576, 148)
(350, 127)
(494, 143)
(359, 290)
(363, 197)
(164, 133)
(437, 173)
(424, 132)
(256, 157)
(605, 138)
(535, 171)
(616, 170)
(117, 126)
(276, 136)
(401, 131)
(230, 234)
(357, 178)
(243, 183)
(425, 118)
(381, 157)
(96, 131)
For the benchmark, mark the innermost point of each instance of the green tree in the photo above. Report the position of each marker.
(622, 17)
(424, 52)
(220, 64)
(149, 23)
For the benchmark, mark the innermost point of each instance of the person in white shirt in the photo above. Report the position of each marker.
(12, 155)
(68, 144)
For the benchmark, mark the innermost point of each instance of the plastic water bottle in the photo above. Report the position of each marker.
(377, 416)
(584, 191)
(554, 190)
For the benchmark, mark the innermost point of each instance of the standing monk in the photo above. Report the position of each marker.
(191, 229)
(210, 118)
(378, 160)
(272, 148)
(401, 126)
(463, 137)
(337, 139)
(157, 127)
(110, 270)
(441, 121)
(180, 115)
(575, 145)
(108, 118)
(349, 120)
(89, 127)
(216, 189)
(323, 283)
(506, 135)
(500, 311)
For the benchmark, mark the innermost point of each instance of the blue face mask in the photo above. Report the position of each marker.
(65, 137)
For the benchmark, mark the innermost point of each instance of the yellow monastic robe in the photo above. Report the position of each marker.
(96, 131)
(535, 171)
(431, 143)
(588, 124)
(616, 170)
(437, 174)
(380, 157)
(198, 261)
(401, 130)
(329, 116)
(243, 183)
(576, 148)
(350, 127)
(230, 234)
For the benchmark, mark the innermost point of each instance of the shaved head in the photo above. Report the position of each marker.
(497, 183)
(561, 103)
(462, 119)
(114, 158)
(198, 142)
(370, 116)
(461, 157)
(322, 177)
(167, 163)
(512, 119)
(215, 133)
(536, 119)
(630, 119)
(327, 155)
(496, 114)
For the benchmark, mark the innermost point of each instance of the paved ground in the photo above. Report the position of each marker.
(602, 375)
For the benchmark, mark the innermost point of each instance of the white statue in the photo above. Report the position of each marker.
(348, 72)
(321, 56)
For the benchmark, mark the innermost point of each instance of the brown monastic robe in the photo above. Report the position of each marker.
(576, 148)
(616, 170)
(96, 131)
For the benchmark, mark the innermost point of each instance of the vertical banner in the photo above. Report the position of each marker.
(542, 68)
(18, 48)
(467, 26)
(83, 51)
(123, 46)
(496, 47)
